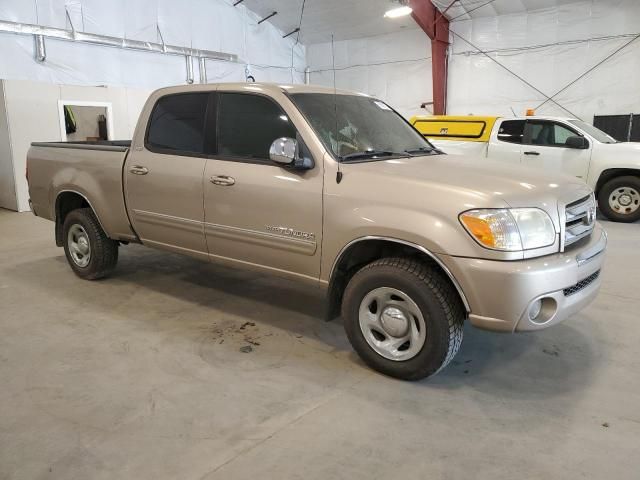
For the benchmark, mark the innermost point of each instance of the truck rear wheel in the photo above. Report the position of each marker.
(90, 253)
(619, 199)
(403, 317)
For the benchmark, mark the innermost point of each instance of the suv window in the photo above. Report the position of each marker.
(177, 123)
(549, 134)
(511, 131)
(248, 124)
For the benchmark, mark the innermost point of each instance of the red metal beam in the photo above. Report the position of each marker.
(436, 26)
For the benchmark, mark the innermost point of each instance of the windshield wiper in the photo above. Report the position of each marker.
(368, 154)
(420, 150)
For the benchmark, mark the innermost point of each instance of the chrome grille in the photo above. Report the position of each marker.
(580, 219)
(585, 282)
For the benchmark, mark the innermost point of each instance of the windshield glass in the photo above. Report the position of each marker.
(358, 127)
(596, 133)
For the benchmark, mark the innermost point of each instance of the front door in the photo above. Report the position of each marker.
(506, 140)
(545, 148)
(258, 213)
(163, 178)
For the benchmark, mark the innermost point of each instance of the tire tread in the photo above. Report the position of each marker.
(443, 291)
(104, 251)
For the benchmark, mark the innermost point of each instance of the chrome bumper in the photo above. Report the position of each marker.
(501, 293)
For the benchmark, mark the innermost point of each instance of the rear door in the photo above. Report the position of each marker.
(506, 140)
(258, 213)
(544, 148)
(163, 178)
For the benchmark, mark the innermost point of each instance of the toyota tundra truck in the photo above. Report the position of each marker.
(334, 189)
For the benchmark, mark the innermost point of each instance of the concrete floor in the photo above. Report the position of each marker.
(142, 376)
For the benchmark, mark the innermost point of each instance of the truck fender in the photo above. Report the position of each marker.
(339, 278)
(80, 202)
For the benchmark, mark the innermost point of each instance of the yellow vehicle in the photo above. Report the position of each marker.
(449, 127)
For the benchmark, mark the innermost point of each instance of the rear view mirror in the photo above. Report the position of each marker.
(577, 142)
(288, 152)
(283, 151)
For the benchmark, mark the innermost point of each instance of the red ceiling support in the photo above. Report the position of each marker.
(436, 26)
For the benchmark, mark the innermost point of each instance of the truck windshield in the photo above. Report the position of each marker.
(596, 133)
(360, 128)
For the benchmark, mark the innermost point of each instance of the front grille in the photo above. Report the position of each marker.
(580, 219)
(584, 283)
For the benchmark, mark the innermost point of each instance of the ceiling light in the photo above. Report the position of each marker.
(398, 12)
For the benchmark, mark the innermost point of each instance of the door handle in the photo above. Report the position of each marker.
(532, 153)
(139, 170)
(223, 180)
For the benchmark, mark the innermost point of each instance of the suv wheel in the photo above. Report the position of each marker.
(619, 199)
(90, 253)
(403, 317)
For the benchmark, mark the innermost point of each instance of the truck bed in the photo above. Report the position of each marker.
(93, 170)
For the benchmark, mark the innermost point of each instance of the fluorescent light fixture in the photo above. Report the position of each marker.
(398, 12)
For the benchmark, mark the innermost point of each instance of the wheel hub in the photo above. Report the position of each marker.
(624, 200)
(394, 322)
(79, 246)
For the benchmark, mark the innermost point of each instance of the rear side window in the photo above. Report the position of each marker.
(511, 131)
(248, 124)
(177, 123)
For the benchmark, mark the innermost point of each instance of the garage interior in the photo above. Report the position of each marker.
(177, 368)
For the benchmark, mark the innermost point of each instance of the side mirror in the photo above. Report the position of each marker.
(575, 141)
(284, 151)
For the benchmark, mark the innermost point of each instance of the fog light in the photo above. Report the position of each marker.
(535, 309)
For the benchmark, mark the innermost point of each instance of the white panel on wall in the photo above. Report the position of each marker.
(395, 68)
(8, 197)
(204, 24)
(549, 48)
(32, 112)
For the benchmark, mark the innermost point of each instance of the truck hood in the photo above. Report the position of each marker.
(624, 154)
(458, 183)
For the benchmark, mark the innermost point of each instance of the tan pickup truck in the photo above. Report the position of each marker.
(337, 190)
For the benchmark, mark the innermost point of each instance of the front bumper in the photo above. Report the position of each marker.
(501, 293)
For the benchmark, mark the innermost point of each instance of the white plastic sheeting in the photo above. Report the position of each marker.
(549, 48)
(205, 24)
(395, 68)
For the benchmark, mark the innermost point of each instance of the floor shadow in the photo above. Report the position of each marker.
(548, 362)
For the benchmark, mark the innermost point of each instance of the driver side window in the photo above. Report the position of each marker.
(547, 134)
(248, 124)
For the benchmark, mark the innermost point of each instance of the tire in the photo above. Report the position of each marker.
(91, 259)
(619, 199)
(415, 285)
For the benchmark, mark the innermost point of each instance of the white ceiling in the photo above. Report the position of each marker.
(348, 19)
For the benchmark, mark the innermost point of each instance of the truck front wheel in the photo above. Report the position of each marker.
(403, 317)
(90, 253)
(619, 199)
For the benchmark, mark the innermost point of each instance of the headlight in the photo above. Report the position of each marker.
(511, 229)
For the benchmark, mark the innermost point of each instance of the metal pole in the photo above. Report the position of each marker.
(203, 70)
(307, 76)
(41, 50)
(189, 60)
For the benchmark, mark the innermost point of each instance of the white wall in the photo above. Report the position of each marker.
(33, 115)
(206, 24)
(74, 71)
(8, 197)
(549, 48)
(395, 68)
